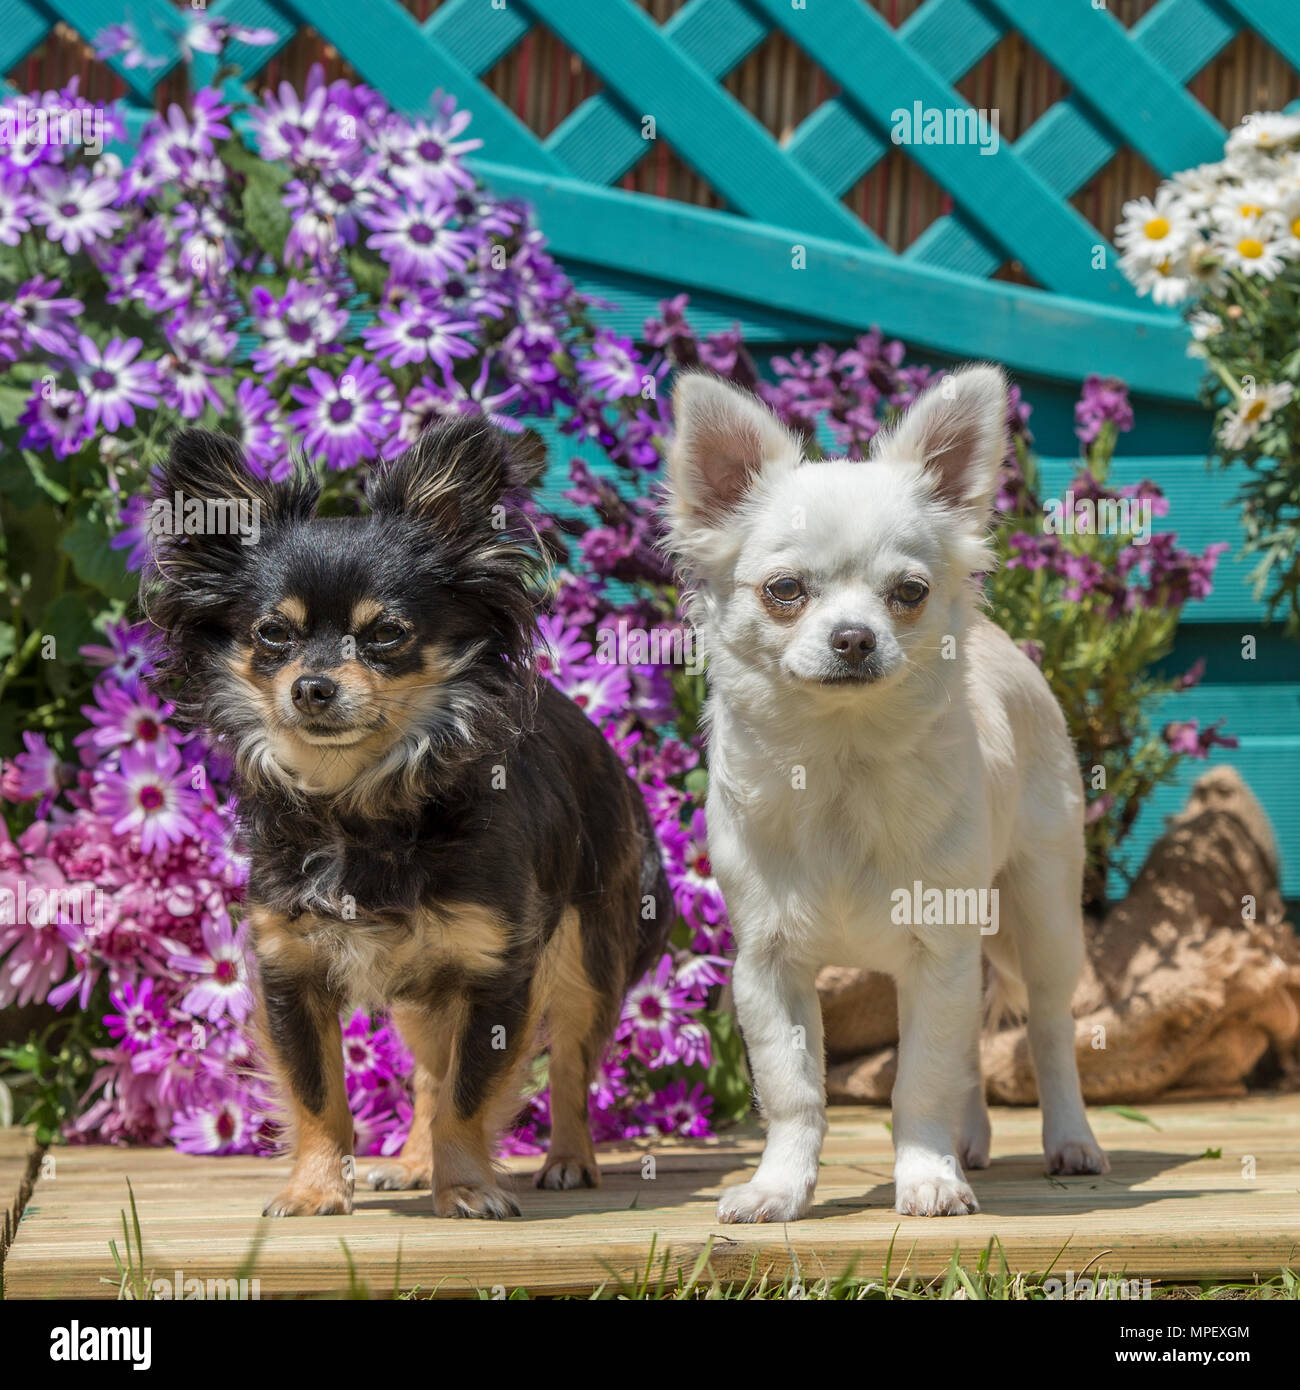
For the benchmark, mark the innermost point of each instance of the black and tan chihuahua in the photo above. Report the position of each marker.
(431, 826)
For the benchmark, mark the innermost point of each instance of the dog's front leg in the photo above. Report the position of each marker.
(781, 1019)
(938, 1004)
(302, 1032)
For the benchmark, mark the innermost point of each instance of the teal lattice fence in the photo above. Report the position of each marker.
(790, 262)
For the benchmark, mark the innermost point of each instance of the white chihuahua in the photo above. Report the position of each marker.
(873, 739)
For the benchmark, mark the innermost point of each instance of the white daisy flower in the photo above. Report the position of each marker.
(1254, 247)
(1167, 282)
(1248, 201)
(1197, 188)
(1263, 131)
(1152, 232)
(1242, 424)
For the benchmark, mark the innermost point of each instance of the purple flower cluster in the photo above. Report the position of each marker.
(119, 894)
(338, 295)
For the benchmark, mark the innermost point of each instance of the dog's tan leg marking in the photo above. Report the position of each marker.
(413, 1167)
(465, 1182)
(577, 1023)
(322, 1180)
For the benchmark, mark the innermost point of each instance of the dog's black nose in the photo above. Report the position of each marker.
(853, 644)
(312, 692)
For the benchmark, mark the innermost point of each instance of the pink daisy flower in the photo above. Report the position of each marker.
(147, 793)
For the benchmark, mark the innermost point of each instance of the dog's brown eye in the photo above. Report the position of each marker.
(911, 591)
(785, 590)
(274, 633)
(387, 634)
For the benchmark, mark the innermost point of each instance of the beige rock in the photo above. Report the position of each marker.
(1192, 981)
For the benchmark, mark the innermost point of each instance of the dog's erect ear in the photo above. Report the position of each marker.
(208, 504)
(453, 476)
(957, 431)
(722, 438)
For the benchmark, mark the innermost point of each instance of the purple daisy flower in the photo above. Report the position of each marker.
(142, 1013)
(653, 1010)
(559, 648)
(340, 196)
(15, 206)
(135, 536)
(598, 690)
(426, 157)
(123, 714)
(56, 419)
(45, 318)
(679, 1110)
(132, 651)
(222, 967)
(613, 368)
(296, 328)
(416, 332)
(257, 427)
(416, 241)
(38, 770)
(74, 208)
(219, 1126)
(114, 383)
(186, 385)
(345, 420)
(121, 41)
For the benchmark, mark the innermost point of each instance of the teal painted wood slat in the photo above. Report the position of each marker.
(392, 53)
(1276, 22)
(475, 34)
(1271, 769)
(702, 121)
(1150, 110)
(1247, 710)
(1178, 34)
(23, 25)
(689, 247)
(601, 140)
(997, 192)
(1067, 145)
(837, 146)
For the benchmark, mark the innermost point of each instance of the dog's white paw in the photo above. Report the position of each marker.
(936, 1194)
(1076, 1156)
(751, 1202)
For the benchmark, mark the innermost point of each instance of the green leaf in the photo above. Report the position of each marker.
(1126, 1112)
(371, 275)
(696, 781)
(13, 401)
(100, 566)
(69, 621)
(18, 486)
(265, 215)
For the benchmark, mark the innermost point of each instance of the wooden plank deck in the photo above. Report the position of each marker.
(1169, 1210)
(19, 1155)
